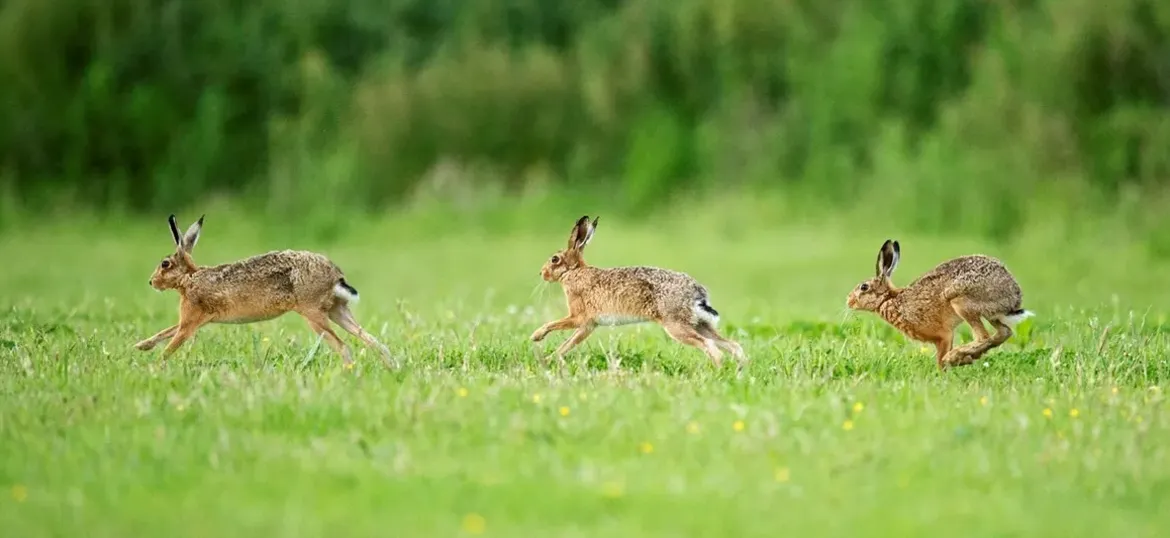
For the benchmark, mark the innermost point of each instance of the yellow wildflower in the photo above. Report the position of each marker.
(474, 524)
(782, 474)
(612, 490)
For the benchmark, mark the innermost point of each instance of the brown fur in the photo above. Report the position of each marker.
(621, 295)
(968, 288)
(259, 288)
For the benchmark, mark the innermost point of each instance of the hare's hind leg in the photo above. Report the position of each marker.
(708, 331)
(972, 352)
(319, 322)
(973, 313)
(686, 333)
(342, 316)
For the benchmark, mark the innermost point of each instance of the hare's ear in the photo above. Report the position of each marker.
(192, 235)
(888, 258)
(590, 228)
(175, 231)
(580, 234)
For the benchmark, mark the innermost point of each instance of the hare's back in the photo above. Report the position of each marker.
(664, 287)
(657, 276)
(975, 275)
(287, 273)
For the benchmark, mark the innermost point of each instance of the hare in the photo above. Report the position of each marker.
(255, 289)
(967, 288)
(626, 295)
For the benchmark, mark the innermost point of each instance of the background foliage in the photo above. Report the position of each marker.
(964, 113)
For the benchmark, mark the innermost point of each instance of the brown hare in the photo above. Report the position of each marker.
(625, 295)
(967, 288)
(255, 289)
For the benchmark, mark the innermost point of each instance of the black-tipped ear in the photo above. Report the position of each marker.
(578, 234)
(175, 230)
(192, 235)
(888, 258)
(589, 230)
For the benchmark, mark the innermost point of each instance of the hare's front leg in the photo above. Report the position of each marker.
(942, 348)
(189, 323)
(578, 336)
(568, 322)
(149, 343)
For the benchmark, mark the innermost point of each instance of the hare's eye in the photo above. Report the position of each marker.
(864, 286)
(166, 264)
(556, 259)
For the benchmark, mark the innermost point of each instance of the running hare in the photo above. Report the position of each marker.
(625, 295)
(255, 289)
(967, 288)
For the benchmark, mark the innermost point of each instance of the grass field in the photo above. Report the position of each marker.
(840, 427)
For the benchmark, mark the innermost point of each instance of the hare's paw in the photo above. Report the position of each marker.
(539, 334)
(145, 345)
(958, 357)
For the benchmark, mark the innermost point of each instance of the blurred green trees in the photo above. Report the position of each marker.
(149, 103)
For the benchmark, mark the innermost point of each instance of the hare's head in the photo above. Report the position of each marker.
(870, 295)
(570, 258)
(172, 269)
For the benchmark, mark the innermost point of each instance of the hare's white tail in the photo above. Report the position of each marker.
(345, 292)
(1016, 317)
(705, 313)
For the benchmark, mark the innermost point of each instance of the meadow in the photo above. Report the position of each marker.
(839, 427)
(440, 152)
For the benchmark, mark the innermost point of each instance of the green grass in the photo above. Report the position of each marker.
(840, 427)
